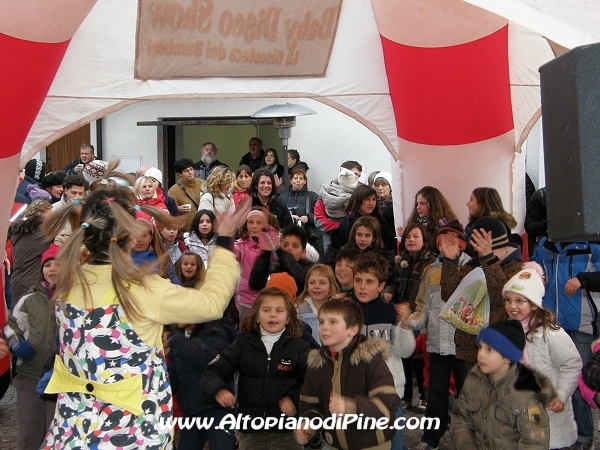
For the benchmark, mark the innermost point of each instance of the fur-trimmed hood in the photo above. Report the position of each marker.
(360, 348)
(531, 379)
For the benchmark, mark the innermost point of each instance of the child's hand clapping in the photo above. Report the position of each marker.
(337, 405)
(286, 406)
(225, 398)
(402, 313)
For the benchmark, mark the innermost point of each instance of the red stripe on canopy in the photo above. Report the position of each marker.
(450, 95)
(27, 71)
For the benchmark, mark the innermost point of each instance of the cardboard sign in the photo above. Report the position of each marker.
(234, 38)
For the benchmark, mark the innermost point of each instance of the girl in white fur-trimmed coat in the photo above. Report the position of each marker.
(548, 348)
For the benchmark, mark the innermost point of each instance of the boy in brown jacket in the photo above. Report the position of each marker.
(348, 375)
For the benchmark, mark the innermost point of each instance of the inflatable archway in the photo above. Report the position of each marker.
(445, 83)
(33, 39)
(450, 86)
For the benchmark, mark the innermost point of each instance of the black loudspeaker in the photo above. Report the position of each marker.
(570, 86)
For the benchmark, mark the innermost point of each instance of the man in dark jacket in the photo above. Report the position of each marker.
(86, 155)
(254, 157)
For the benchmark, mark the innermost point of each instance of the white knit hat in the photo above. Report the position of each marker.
(527, 283)
(347, 178)
(386, 176)
(94, 170)
(153, 172)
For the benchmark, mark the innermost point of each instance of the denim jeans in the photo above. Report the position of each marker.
(582, 411)
(398, 439)
(195, 438)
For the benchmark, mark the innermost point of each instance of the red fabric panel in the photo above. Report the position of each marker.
(4, 362)
(27, 70)
(450, 95)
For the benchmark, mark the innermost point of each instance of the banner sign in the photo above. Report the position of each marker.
(234, 38)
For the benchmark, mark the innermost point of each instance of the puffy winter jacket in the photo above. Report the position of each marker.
(264, 378)
(561, 262)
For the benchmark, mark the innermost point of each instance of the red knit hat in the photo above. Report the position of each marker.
(285, 282)
(51, 253)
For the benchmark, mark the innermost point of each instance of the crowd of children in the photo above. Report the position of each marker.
(228, 309)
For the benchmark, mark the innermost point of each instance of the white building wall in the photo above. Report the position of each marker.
(324, 140)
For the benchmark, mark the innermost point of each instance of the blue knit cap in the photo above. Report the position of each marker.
(506, 337)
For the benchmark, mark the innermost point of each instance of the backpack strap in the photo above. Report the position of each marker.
(188, 196)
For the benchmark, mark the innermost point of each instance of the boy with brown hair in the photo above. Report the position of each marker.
(384, 320)
(347, 375)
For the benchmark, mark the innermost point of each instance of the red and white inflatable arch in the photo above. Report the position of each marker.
(34, 36)
(448, 69)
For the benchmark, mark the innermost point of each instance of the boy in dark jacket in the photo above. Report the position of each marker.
(503, 403)
(289, 258)
(190, 355)
(347, 375)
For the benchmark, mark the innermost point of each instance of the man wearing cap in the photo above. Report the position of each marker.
(157, 176)
(204, 167)
(86, 155)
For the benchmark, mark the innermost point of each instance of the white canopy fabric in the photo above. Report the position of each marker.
(568, 23)
(96, 78)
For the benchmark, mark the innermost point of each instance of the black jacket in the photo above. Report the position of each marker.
(263, 379)
(283, 215)
(340, 236)
(190, 357)
(264, 266)
(302, 203)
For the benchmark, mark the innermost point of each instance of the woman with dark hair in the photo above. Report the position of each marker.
(363, 202)
(293, 158)
(262, 191)
(486, 201)
(271, 162)
(241, 185)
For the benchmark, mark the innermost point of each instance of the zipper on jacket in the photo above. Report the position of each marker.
(266, 384)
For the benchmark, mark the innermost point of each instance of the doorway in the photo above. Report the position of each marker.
(65, 149)
(183, 138)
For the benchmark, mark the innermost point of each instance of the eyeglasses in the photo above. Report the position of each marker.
(518, 302)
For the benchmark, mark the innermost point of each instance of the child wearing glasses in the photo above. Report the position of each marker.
(548, 348)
